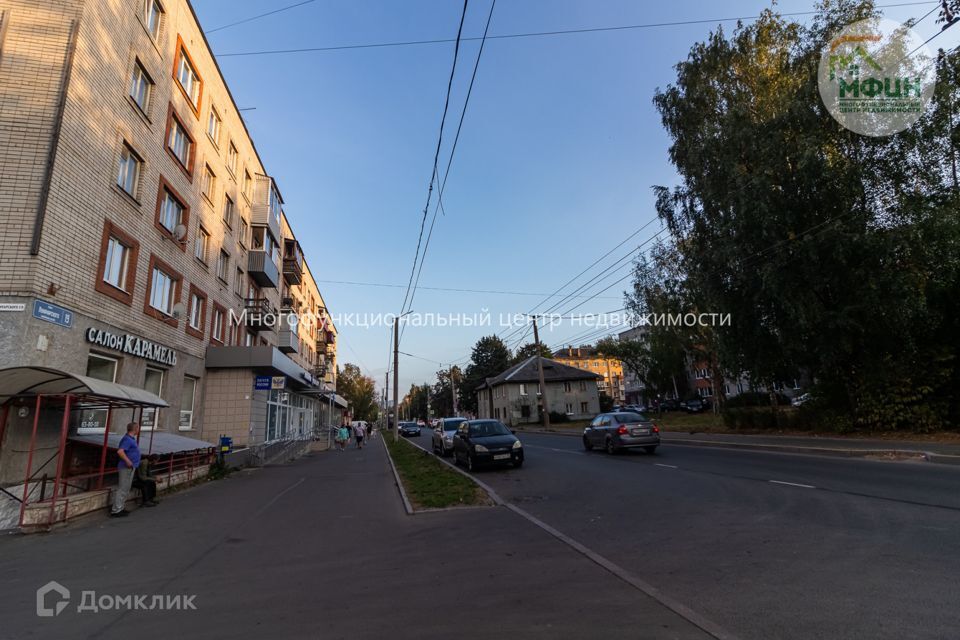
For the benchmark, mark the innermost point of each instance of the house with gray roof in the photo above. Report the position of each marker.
(513, 397)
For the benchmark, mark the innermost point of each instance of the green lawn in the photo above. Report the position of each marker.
(429, 483)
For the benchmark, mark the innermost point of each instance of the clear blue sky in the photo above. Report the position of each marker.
(559, 149)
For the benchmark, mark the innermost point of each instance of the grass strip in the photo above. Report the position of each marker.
(429, 483)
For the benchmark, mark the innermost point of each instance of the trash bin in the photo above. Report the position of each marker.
(226, 444)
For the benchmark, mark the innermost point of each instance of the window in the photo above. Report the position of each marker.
(567, 388)
(153, 14)
(584, 408)
(196, 312)
(247, 185)
(523, 389)
(180, 143)
(101, 367)
(228, 210)
(201, 245)
(238, 282)
(213, 126)
(187, 397)
(128, 174)
(569, 407)
(171, 212)
(275, 204)
(163, 291)
(232, 157)
(187, 77)
(118, 264)
(525, 411)
(141, 86)
(152, 382)
(209, 183)
(216, 327)
(243, 234)
(583, 385)
(223, 265)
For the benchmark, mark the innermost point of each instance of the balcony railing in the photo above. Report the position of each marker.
(262, 270)
(292, 262)
(288, 342)
(260, 314)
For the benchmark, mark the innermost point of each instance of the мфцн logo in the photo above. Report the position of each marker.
(876, 77)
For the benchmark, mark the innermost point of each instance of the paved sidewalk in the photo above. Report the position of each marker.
(322, 548)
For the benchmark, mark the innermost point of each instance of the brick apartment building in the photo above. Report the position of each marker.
(140, 224)
(589, 359)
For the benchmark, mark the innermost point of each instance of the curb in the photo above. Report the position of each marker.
(497, 500)
(396, 477)
(897, 454)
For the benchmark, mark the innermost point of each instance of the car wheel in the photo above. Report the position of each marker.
(456, 460)
(650, 450)
(517, 464)
(611, 449)
(587, 445)
(470, 464)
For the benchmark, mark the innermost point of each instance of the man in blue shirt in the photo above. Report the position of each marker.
(129, 454)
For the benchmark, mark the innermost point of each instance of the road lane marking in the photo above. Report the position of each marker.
(793, 484)
(536, 446)
(681, 610)
(668, 466)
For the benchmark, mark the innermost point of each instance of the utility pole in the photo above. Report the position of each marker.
(453, 385)
(544, 409)
(396, 378)
(386, 400)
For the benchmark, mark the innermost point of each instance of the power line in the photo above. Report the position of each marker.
(449, 289)
(535, 34)
(436, 155)
(257, 17)
(453, 149)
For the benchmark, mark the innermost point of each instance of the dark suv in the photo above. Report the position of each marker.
(619, 430)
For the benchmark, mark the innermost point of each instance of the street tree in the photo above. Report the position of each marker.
(490, 357)
(360, 392)
(530, 349)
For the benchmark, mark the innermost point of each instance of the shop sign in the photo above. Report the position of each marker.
(52, 313)
(132, 345)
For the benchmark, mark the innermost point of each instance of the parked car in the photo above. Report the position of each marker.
(442, 439)
(485, 442)
(409, 429)
(615, 431)
(638, 408)
(694, 406)
(669, 405)
(801, 400)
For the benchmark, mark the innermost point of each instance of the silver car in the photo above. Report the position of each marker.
(442, 438)
(620, 430)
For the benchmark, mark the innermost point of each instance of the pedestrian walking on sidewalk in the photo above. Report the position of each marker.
(343, 437)
(359, 431)
(129, 454)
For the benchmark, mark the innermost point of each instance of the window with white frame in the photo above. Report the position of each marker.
(223, 265)
(209, 183)
(152, 16)
(229, 209)
(247, 185)
(128, 173)
(152, 382)
(523, 389)
(188, 78)
(187, 398)
(162, 291)
(243, 234)
(217, 324)
(196, 312)
(238, 282)
(141, 86)
(94, 421)
(201, 245)
(171, 212)
(232, 158)
(583, 385)
(567, 387)
(180, 143)
(116, 263)
(214, 124)
(275, 204)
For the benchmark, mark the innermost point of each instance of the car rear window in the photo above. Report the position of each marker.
(631, 416)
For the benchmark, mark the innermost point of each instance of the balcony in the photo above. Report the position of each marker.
(262, 270)
(292, 262)
(260, 314)
(288, 342)
(288, 304)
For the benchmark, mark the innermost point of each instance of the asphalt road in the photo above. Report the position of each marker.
(767, 545)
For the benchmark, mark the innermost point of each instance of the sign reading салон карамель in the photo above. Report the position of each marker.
(132, 345)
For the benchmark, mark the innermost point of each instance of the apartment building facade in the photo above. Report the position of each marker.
(589, 359)
(145, 243)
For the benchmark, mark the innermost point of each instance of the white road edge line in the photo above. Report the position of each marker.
(793, 484)
(668, 466)
(681, 610)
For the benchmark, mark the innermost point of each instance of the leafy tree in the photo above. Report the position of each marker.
(606, 402)
(489, 358)
(359, 390)
(834, 253)
(441, 396)
(530, 349)
(416, 402)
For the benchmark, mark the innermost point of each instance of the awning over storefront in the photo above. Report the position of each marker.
(161, 443)
(34, 381)
(264, 359)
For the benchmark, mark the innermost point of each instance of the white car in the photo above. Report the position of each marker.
(801, 400)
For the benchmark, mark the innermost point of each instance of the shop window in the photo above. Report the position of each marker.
(152, 382)
(187, 398)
